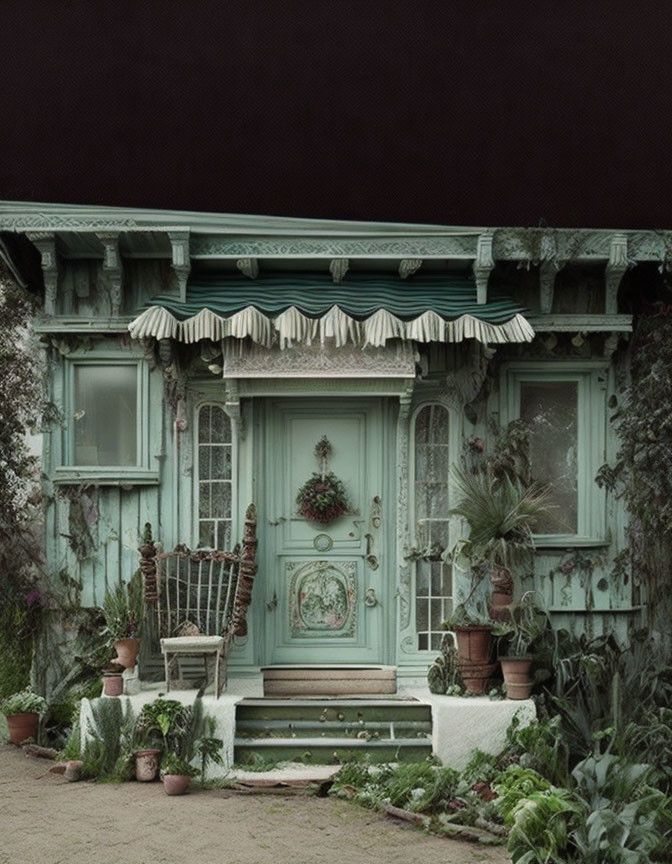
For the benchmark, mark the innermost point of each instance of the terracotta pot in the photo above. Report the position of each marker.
(477, 676)
(22, 726)
(176, 784)
(517, 676)
(127, 652)
(474, 643)
(500, 601)
(147, 765)
(113, 684)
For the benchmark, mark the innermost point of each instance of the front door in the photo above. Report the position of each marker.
(327, 594)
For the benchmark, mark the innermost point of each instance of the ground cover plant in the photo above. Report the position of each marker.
(589, 783)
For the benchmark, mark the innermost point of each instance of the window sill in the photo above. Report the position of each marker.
(106, 476)
(568, 541)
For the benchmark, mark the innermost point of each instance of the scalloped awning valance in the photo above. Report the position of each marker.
(363, 309)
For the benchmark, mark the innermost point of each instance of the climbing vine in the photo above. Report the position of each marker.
(641, 474)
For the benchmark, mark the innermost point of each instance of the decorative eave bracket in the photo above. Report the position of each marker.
(409, 266)
(112, 267)
(248, 267)
(338, 267)
(45, 243)
(181, 260)
(483, 266)
(614, 271)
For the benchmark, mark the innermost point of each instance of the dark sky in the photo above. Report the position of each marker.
(465, 113)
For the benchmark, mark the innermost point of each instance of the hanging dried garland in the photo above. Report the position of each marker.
(323, 498)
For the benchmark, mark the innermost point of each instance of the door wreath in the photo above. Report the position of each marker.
(323, 497)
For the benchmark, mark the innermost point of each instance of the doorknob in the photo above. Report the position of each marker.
(370, 598)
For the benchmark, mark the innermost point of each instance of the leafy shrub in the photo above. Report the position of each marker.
(25, 701)
(171, 763)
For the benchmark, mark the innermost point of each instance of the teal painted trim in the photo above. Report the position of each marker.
(108, 357)
(97, 477)
(590, 376)
(357, 295)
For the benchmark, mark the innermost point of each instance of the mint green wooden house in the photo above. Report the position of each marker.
(195, 361)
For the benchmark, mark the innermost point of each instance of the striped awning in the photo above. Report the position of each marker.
(364, 309)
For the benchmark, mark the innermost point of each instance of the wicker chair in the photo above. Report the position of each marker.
(200, 598)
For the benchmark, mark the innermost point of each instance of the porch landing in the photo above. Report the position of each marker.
(328, 680)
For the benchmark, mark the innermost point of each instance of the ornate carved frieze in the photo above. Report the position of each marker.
(243, 360)
(322, 598)
(451, 246)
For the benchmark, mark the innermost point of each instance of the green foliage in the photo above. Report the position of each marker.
(16, 649)
(103, 739)
(25, 701)
(501, 514)
(528, 622)
(72, 748)
(123, 609)
(642, 471)
(171, 763)
(323, 498)
(540, 824)
(167, 718)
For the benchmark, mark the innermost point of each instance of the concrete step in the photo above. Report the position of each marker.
(384, 729)
(330, 731)
(328, 680)
(327, 751)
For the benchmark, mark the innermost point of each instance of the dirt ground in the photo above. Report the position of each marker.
(46, 820)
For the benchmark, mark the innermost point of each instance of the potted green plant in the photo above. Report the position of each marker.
(123, 611)
(528, 621)
(22, 711)
(176, 774)
(161, 725)
(472, 630)
(501, 514)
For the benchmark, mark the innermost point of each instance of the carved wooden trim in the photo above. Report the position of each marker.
(614, 271)
(483, 266)
(45, 242)
(247, 571)
(181, 260)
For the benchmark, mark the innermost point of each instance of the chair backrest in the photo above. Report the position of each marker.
(203, 590)
(196, 590)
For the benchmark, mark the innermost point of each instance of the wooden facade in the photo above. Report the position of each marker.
(211, 421)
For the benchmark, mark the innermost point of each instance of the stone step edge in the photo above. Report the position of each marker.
(345, 702)
(332, 742)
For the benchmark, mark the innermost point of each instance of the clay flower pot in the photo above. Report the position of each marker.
(147, 765)
(113, 684)
(176, 784)
(517, 676)
(127, 652)
(477, 676)
(22, 726)
(474, 643)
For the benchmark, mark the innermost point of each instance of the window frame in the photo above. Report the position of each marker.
(203, 403)
(590, 377)
(453, 448)
(139, 473)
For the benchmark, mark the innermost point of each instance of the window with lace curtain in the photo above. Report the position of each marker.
(433, 577)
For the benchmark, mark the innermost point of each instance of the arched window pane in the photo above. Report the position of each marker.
(433, 601)
(214, 477)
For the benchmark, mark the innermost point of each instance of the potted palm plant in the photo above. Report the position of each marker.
(528, 621)
(123, 611)
(501, 514)
(22, 711)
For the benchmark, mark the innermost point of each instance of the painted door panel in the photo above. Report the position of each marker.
(326, 577)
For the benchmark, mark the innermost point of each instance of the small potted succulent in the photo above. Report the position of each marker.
(123, 611)
(527, 622)
(22, 711)
(176, 774)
